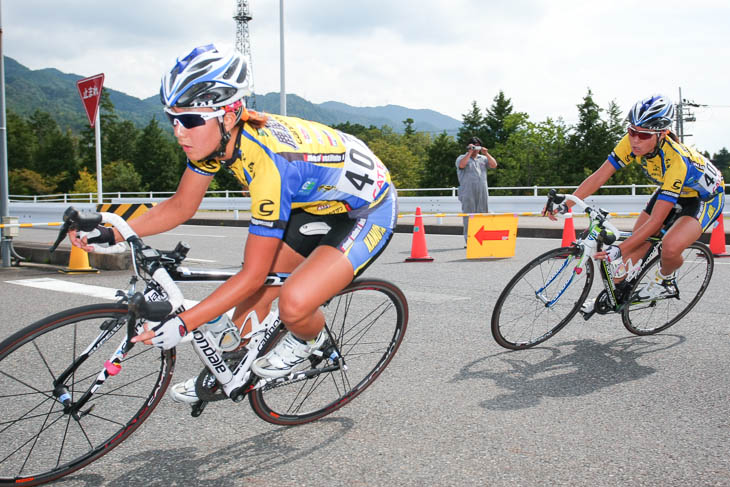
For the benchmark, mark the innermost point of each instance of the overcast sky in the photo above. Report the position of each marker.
(433, 54)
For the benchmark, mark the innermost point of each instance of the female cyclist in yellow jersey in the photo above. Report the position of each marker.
(689, 186)
(323, 207)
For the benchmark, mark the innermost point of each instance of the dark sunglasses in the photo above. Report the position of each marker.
(642, 134)
(191, 119)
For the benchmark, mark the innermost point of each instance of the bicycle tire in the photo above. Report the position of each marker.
(520, 319)
(692, 278)
(368, 320)
(38, 441)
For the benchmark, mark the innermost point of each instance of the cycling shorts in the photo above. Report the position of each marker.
(704, 211)
(361, 239)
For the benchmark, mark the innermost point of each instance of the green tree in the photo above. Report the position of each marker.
(86, 183)
(28, 182)
(472, 124)
(588, 145)
(22, 142)
(409, 130)
(440, 167)
(494, 122)
(530, 155)
(56, 157)
(721, 160)
(120, 176)
(120, 141)
(405, 169)
(156, 159)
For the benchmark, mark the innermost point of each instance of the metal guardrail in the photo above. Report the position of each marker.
(520, 199)
(149, 196)
(407, 205)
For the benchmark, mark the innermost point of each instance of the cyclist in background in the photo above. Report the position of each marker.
(323, 207)
(690, 188)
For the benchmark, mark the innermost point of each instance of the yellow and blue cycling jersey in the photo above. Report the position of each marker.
(679, 171)
(292, 163)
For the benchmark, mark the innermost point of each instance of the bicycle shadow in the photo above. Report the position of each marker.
(235, 463)
(529, 375)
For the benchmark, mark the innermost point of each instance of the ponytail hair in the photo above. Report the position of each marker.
(256, 119)
(672, 136)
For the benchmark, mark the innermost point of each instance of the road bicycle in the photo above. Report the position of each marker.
(550, 290)
(73, 386)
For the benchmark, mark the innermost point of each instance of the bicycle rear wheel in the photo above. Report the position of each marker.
(39, 442)
(541, 299)
(692, 279)
(367, 321)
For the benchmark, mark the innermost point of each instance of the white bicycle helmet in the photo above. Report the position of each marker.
(653, 113)
(206, 78)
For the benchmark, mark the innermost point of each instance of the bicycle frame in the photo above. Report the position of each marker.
(161, 296)
(601, 231)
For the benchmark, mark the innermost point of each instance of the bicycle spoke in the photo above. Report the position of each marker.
(367, 323)
(540, 299)
(40, 437)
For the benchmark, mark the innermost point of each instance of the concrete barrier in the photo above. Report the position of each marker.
(49, 212)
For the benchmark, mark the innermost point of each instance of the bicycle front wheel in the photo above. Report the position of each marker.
(541, 299)
(692, 279)
(367, 321)
(39, 440)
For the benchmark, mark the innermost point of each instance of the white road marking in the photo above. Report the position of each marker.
(71, 287)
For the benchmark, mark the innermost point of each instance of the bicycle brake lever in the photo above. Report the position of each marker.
(63, 231)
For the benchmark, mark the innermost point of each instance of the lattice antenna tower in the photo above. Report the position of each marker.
(243, 44)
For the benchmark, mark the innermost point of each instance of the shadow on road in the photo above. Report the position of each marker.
(240, 462)
(587, 366)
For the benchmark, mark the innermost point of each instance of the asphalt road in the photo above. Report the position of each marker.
(592, 406)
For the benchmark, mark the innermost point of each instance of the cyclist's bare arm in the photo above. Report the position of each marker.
(650, 227)
(177, 209)
(259, 256)
(590, 185)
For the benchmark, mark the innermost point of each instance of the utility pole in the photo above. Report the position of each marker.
(282, 92)
(5, 243)
(243, 45)
(685, 114)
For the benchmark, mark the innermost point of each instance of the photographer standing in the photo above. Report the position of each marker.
(471, 168)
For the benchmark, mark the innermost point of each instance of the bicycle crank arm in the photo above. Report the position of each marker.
(307, 374)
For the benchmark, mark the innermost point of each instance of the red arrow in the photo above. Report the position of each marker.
(483, 235)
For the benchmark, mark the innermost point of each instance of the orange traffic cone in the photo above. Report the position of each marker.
(717, 239)
(78, 262)
(568, 230)
(419, 253)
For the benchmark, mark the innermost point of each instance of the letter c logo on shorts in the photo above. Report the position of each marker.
(265, 208)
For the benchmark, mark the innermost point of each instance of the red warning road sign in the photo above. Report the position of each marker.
(90, 92)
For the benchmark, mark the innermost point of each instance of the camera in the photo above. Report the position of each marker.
(475, 147)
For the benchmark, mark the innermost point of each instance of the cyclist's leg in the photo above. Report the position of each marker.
(684, 231)
(287, 259)
(322, 275)
(639, 252)
(696, 217)
(343, 254)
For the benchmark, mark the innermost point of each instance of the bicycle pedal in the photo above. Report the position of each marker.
(587, 315)
(197, 408)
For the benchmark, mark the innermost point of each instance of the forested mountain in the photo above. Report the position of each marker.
(55, 92)
(51, 148)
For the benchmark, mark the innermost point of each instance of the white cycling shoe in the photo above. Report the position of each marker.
(653, 290)
(286, 355)
(184, 392)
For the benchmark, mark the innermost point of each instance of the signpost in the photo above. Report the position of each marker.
(90, 93)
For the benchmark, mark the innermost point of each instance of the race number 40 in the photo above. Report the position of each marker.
(363, 175)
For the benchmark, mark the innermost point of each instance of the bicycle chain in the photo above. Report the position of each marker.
(206, 385)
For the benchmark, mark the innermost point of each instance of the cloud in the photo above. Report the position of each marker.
(543, 54)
